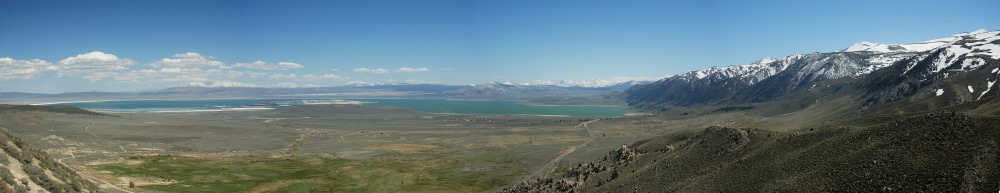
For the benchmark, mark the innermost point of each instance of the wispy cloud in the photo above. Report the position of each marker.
(387, 71)
(411, 70)
(307, 77)
(376, 71)
(261, 65)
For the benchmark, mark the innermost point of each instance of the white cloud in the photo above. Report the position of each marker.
(308, 77)
(410, 70)
(187, 68)
(288, 65)
(261, 65)
(187, 60)
(376, 71)
(387, 71)
(92, 66)
(22, 69)
(323, 77)
(187, 55)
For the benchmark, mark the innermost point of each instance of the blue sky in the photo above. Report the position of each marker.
(73, 46)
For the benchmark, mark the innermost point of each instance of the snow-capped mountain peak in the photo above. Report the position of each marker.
(861, 46)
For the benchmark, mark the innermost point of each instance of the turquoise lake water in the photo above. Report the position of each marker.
(424, 105)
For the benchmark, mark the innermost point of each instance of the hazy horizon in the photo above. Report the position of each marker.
(114, 46)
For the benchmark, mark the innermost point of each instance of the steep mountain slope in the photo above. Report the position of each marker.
(961, 72)
(704, 86)
(869, 67)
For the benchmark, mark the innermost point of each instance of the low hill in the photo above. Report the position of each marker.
(6, 109)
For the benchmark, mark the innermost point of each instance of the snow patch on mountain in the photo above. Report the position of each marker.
(881, 61)
(989, 84)
(973, 63)
(971, 48)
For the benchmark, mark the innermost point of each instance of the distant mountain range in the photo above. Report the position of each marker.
(958, 68)
(355, 89)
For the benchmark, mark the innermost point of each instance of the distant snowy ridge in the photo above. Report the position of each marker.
(751, 73)
(231, 84)
(358, 83)
(588, 83)
(881, 55)
(770, 79)
(914, 47)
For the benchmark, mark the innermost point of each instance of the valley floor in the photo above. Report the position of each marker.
(353, 148)
(318, 148)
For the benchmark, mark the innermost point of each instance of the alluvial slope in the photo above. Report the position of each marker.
(931, 152)
(870, 66)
